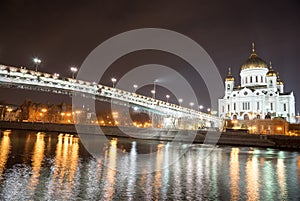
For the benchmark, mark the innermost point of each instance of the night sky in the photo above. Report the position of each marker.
(62, 34)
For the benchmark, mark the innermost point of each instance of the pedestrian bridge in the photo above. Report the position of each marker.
(181, 117)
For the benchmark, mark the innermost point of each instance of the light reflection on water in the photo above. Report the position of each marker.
(37, 159)
(4, 150)
(234, 174)
(45, 166)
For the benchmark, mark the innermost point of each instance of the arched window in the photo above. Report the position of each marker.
(228, 86)
(251, 79)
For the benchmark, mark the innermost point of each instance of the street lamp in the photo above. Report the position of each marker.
(153, 92)
(135, 86)
(191, 104)
(114, 80)
(208, 110)
(55, 75)
(200, 107)
(167, 96)
(37, 62)
(180, 100)
(154, 89)
(73, 70)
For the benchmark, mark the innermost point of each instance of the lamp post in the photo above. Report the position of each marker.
(114, 80)
(154, 89)
(73, 70)
(135, 86)
(153, 93)
(180, 100)
(37, 62)
(55, 75)
(200, 107)
(192, 104)
(208, 110)
(167, 96)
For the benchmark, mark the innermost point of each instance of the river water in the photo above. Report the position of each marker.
(48, 166)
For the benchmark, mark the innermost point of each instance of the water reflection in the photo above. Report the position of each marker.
(189, 177)
(234, 174)
(60, 169)
(111, 156)
(132, 167)
(65, 167)
(252, 178)
(281, 178)
(4, 150)
(268, 173)
(37, 159)
(298, 168)
(177, 190)
(158, 172)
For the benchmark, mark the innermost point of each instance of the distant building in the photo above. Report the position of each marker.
(39, 112)
(276, 126)
(260, 94)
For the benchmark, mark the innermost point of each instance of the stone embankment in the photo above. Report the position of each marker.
(208, 137)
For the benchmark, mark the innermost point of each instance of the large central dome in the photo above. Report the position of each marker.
(254, 61)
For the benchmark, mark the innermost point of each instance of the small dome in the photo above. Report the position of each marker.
(279, 81)
(271, 72)
(254, 61)
(229, 77)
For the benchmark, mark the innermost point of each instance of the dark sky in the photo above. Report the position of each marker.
(62, 34)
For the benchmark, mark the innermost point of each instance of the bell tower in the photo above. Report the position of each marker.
(229, 82)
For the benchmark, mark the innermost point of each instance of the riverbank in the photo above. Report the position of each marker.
(227, 138)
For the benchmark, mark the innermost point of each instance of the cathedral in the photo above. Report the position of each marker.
(260, 94)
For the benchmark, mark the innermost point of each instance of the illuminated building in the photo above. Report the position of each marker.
(261, 94)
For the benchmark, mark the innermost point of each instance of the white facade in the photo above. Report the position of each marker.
(260, 95)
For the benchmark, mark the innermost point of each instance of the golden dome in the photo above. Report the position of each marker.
(271, 72)
(279, 81)
(254, 61)
(229, 77)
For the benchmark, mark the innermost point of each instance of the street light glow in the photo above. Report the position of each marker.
(55, 75)
(114, 80)
(73, 70)
(37, 62)
(167, 96)
(9, 109)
